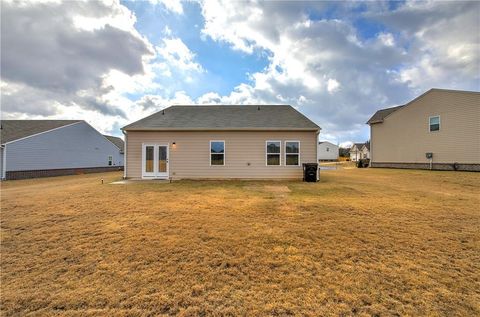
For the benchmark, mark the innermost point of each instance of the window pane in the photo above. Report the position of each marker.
(149, 159)
(273, 159)
(273, 147)
(162, 159)
(217, 147)
(435, 123)
(292, 159)
(291, 147)
(217, 159)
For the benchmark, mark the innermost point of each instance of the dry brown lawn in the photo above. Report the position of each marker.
(360, 242)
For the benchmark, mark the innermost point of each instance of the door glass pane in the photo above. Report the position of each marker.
(162, 159)
(149, 159)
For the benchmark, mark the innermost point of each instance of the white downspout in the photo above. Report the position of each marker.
(125, 156)
(4, 162)
(317, 139)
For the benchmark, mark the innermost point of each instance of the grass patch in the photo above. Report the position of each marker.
(361, 241)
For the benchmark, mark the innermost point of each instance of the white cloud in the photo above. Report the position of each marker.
(332, 85)
(174, 6)
(310, 58)
(386, 39)
(178, 55)
(61, 55)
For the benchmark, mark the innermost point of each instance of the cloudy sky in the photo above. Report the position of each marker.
(111, 63)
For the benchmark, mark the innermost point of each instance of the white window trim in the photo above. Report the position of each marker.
(110, 159)
(279, 154)
(210, 152)
(285, 152)
(439, 123)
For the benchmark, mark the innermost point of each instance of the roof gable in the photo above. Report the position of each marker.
(225, 117)
(115, 140)
(381, 114)
(12, 130)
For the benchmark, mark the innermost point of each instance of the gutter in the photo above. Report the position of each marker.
(223, 129)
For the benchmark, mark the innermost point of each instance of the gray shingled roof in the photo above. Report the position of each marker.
(382, 114)
(12, 130)
(358, 145)
(225, 117)
(115, 140)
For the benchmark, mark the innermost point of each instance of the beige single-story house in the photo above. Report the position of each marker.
(359, 151)
(440, 129)
(221, 142)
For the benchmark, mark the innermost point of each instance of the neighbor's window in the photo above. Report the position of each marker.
(434, 123)
(328, 149)
(110, 160)
(273, 152)
(292, 153)
(217, 152)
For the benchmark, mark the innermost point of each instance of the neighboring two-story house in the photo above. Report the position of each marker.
(438, 130)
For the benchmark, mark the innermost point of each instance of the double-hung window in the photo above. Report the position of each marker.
(273, 152)
(434, 123)
(110, 160)
(217, 152)
(292, 153)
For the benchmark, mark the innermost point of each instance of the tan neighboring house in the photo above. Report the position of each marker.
(438, 130)
(221, 142)
(359, 151)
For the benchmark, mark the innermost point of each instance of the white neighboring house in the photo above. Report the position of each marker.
(327, 151)
(39, 148)
(359, 151)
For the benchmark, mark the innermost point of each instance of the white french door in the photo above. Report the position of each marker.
(154, 160)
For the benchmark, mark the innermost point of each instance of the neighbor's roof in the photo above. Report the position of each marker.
(358, 145)
(12, 130)
(381, 114)
(115, 140)
(225, 117)
(321, 142)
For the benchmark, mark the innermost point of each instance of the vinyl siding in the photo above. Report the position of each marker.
(74, 146)
(404, 136)
(332, 154)
(244, 158)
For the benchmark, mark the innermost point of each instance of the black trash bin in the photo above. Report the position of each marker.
(310, 172)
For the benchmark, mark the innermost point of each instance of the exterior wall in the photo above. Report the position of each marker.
(245, 155)
(364, 153)
(435, 166)
(13, 175)
(404, 136)
(354, 154)
(74, 146)
(330, 155)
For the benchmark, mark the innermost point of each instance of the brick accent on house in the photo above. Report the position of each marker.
(12, 175)
(426, 166)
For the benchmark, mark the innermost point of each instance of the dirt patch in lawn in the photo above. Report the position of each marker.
(359, 242)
